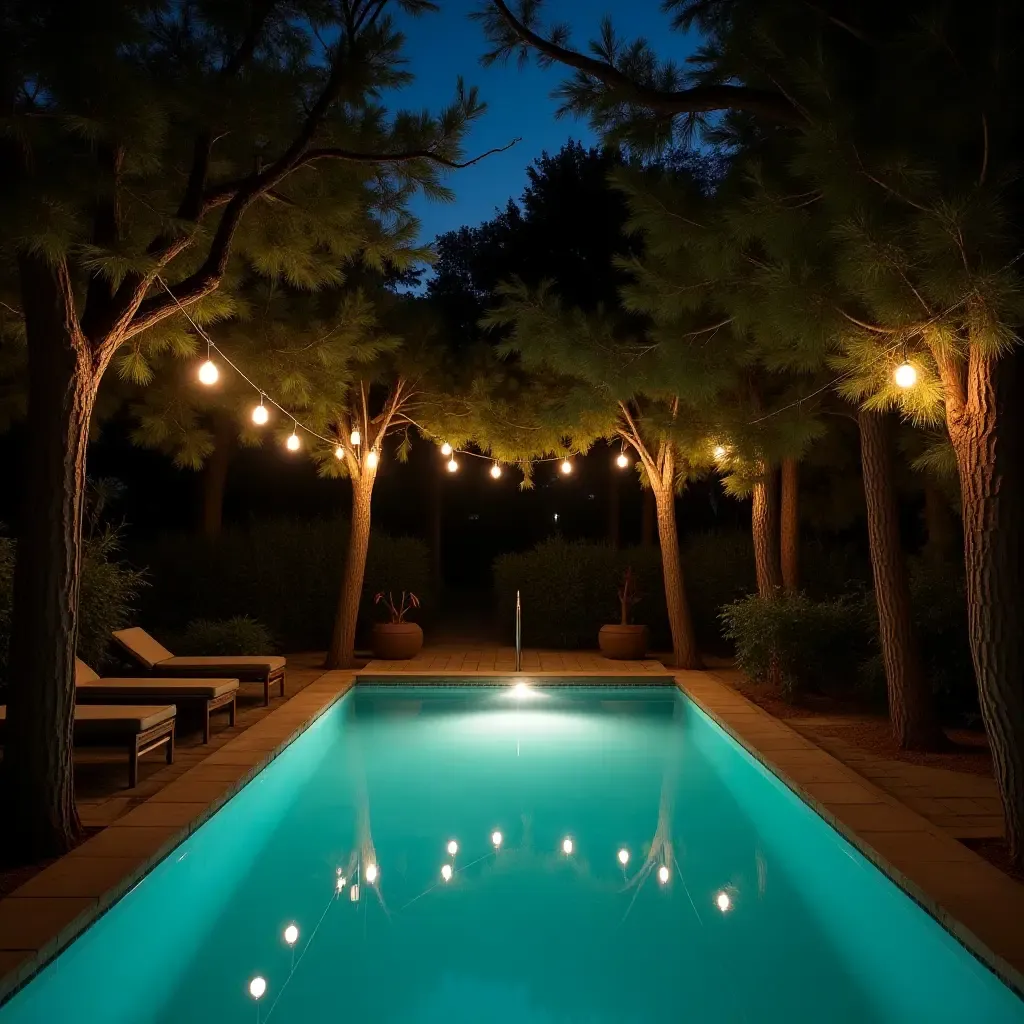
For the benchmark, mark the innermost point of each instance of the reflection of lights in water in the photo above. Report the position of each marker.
(291, 935)
(567, 845)
(353, 893)
(723, 901)
(341, 882)
(372, 874)
(663, 874)
(453, 848)
(446, 872)
(496, 838)
(257, 987)
(623, 856)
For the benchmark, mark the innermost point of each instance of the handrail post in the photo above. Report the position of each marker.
(519, 635)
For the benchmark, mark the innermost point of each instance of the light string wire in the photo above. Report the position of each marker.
(334, 442)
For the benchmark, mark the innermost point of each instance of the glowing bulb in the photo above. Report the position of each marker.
(566, 466)
(257, 987)
(496, 838)
(339, 452)
(372, 874)
(260, 415)
(622, 462)
(372, 460)
(495, 471)
(293, 442)
(453, 848)
(905, 375)
(208, 373)
(623, 856)
(452, 465)
(663, 874)
(291, 935)
(446, 449)
(723, 901)
(354, 438)
(520, 689)
(566, 846)
(719, 451)
(446, 872)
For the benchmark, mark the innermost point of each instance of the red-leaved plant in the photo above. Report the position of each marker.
(398, 611)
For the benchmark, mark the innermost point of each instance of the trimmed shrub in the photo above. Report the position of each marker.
(239, 635)
(284, 573)
(812, 645)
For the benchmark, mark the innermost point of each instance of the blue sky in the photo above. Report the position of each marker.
(442, 46)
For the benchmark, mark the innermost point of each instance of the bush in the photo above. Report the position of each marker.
(239, 635)
(284, 573)
(569, 588)
(813, 645)
(109, 591)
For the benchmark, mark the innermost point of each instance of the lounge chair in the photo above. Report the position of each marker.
(157, 660)
(206, 695)
(137, 729)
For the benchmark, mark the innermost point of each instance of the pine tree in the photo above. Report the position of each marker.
(154, 153)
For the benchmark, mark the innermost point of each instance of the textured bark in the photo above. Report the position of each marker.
(684, 641)
(764, 518)
(983, 410)
(789, 536)
(40, 817)
(915, 723)
(215, 477)
(614, 509)
(343, 639)
(649, 520)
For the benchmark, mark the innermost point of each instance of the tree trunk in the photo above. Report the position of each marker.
(764, 518)
(614, 509)
(649, 518)
(985, 428)
(915, 724)
(343, 639)
(790, 525)
(684, 641)
(939, 523)
(215, 476)
(40, 818)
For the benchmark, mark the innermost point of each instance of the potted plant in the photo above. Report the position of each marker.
(624, 641)
(397, 640)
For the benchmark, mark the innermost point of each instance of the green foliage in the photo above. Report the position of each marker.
(110, 590)
(239, 635)
(282, 573)
(813, 645)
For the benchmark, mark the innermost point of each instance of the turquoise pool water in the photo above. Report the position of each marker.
(735, 903)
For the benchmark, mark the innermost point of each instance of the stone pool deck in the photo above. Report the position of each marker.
(975, 901)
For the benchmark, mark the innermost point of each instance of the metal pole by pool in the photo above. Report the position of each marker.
(519, 635)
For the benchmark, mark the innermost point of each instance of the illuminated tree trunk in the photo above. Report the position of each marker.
(40, 816)
(343, 639)
(984, 416)
(790, 525)
(915, 724)
(764, 517)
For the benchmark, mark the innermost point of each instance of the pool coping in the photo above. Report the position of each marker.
(973, 900)
(53, 908)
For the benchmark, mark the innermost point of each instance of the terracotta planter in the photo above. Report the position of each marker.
(396, 641)
(623, 643)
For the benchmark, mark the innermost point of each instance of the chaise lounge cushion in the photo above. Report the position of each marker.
(156, 657)
(102, 721)
(157, 686)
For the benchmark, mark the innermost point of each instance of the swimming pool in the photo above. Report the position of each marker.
(617, 858)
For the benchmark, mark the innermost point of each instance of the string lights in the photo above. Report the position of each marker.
(355, 438)
(496, 471)
(208, 372)
(566, 467)
(446, 449)
(622, 461)
(293, 441)
(259, 413)
(372, 459)
(905, 375)
(452, 465)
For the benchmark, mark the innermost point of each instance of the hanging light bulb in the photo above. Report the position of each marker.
(354, 438)
(372, 459)
(293, 441)
(208, 372)
(496, 471)
(339, 452)
(260, 414)
(719, 451)
(446, 449)
(566, 466)
(452, 465)
(622, 461)
(905, 375)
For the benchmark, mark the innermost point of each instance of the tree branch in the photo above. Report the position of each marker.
(699, 99)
